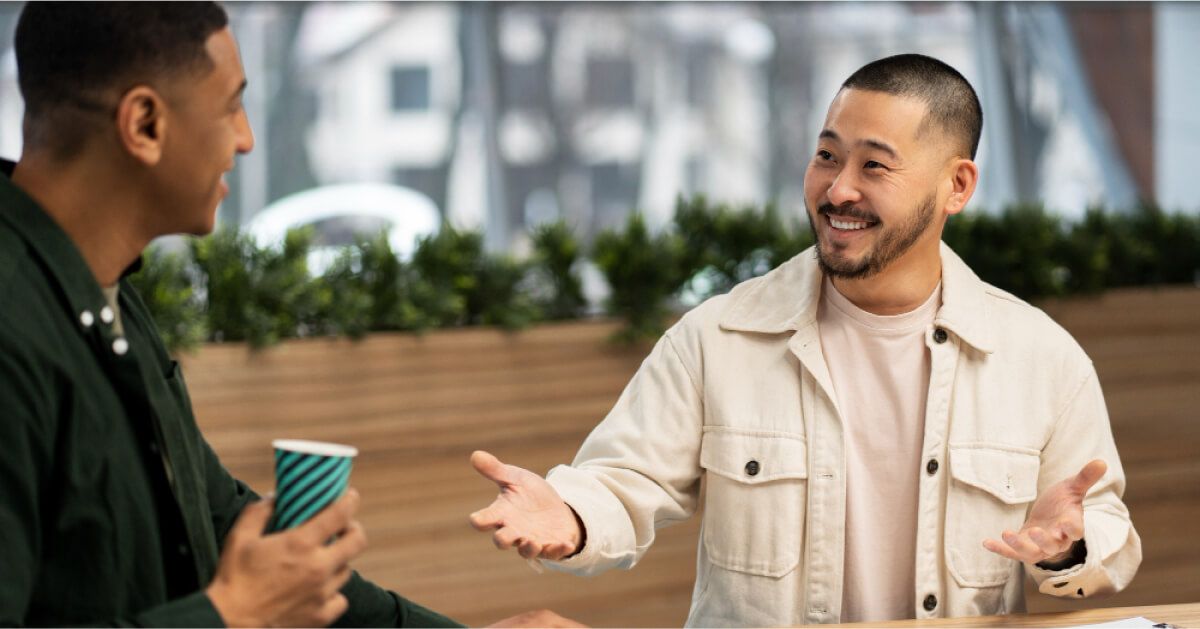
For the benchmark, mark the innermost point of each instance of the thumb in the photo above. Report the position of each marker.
(253, 519)
(1088, 476)
(490, 467)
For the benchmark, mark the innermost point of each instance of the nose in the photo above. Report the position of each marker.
(844, 189)
(245, 135)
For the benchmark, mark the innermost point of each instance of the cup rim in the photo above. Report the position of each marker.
(319, 448)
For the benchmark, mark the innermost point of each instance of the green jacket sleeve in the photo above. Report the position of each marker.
(373, 606)
(25, 459)
(27, 427)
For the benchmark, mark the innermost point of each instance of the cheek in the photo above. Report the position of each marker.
(815, 182)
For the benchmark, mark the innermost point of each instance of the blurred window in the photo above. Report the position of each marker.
(520, 183)
(525, 85)
(609, 82)
(410, 88)
(614, 192)
(430, 182)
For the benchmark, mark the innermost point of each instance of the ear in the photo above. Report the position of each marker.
(142, 124)
(964, 174)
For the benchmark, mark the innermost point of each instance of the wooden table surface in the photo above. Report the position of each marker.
(1183, 615)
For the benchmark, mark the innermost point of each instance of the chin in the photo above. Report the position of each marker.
(203, 229)
(838, 264)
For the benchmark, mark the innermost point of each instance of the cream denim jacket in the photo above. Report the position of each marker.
(1014, 406)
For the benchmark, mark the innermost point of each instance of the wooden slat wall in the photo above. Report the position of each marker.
(417, 406)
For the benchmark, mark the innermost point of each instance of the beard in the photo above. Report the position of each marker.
(891, 243)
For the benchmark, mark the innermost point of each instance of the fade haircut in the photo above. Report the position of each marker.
(76, 59)
(951, 101)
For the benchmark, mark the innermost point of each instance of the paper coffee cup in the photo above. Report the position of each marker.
(309, 476)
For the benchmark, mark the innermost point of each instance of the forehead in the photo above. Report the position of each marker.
(860, 115)
(227, 63)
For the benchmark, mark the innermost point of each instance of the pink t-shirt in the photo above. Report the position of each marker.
(880, 371)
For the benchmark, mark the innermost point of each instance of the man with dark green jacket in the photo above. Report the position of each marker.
(113, 508)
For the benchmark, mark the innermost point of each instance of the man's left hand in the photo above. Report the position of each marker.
(1055, 522)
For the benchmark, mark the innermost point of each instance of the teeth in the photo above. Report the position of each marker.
(843, 225)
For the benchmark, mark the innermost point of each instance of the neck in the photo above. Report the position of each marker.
(901, 287)
(93, 203)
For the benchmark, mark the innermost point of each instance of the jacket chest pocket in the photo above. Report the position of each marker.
(991, 491)
(755, 498)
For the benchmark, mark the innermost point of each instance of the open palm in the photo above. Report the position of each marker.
(527, 514)
(1055, 522)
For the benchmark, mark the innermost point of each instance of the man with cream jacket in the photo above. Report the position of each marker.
(880, 433)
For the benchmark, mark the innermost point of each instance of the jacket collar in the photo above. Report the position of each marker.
(786, 299)
(51, 245)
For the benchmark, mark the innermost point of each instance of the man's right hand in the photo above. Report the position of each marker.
(528, 514)
(291, 578)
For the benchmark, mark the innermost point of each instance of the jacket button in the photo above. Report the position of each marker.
(930, 603)
(86, 318)
(931, 467)
(940, 336)
(752, 468)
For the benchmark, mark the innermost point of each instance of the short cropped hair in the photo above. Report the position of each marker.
(952, 102)
(73, 57)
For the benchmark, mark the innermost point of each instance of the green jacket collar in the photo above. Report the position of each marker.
(53, 248)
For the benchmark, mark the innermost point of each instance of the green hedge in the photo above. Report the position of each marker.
(229, 289)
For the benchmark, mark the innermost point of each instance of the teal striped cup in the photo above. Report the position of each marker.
(309, 476)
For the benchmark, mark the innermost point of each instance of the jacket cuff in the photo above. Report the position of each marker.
(1104, 538)
(193, 610)
(1077, 555)
(601, 514)
(414, 615)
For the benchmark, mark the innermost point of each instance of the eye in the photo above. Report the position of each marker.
(872, 164)
(824, 155)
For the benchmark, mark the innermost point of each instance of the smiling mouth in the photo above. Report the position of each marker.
(844, 224)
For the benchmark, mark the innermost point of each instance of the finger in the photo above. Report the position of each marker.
(506, 538)
(491, 468)
(351, 542)
(332, 519)
(1025, 548)
(335, 583)
(555, 551)
(529, 549)
(1088, 476)
(332, 610)
(1000, 548)
(488, 518)
(253, 519)
(1048, 545)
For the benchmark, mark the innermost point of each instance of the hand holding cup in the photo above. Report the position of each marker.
(291, 578)
(288, 555)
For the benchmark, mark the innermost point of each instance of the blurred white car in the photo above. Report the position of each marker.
(339, 213)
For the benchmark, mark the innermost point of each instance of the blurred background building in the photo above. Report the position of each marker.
(506, 115)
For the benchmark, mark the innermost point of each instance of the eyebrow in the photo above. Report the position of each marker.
(879, 145)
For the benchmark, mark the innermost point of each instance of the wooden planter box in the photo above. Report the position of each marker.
(416, 406)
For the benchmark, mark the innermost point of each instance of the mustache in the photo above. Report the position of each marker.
(848, 211)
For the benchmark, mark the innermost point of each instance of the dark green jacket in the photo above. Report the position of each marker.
(112, 505)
